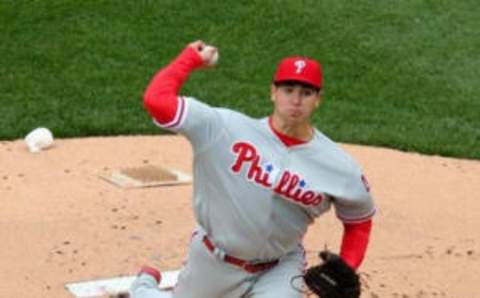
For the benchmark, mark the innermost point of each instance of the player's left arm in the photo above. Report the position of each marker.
(355, 208)
(355, 242)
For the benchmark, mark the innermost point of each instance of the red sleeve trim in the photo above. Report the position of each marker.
(180, 113)
(359, 219)
(179, 116)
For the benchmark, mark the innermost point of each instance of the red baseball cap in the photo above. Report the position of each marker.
(301, 69)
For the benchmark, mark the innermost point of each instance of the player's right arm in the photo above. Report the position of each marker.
(161, 97)
(200, 123)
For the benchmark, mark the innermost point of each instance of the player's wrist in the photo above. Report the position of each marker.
(351, 262)
(189, 59)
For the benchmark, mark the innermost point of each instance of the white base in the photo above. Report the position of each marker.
(97, 288)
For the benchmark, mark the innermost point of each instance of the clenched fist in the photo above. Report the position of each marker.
(208, 53)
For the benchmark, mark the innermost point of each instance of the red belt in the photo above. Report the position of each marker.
(247, 266)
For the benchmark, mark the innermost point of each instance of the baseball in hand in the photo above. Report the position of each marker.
(213, 55)
(214, 59)
(209, 54)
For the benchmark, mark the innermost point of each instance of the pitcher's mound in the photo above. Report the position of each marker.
(146, 176)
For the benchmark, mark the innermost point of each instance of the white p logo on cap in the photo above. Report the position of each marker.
(300, 65)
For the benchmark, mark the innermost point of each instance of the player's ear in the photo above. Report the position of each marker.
(273, 91)
(319, 98)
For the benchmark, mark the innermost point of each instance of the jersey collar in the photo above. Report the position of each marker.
(286, 140)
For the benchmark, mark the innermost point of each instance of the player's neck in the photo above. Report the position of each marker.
(301, 131)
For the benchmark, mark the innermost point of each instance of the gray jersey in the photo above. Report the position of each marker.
(254, 196)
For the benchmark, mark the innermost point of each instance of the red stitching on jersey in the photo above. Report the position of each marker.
(290, 186)
(248, 153)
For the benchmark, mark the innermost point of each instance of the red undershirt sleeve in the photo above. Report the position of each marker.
(161, 96)
(355, 242)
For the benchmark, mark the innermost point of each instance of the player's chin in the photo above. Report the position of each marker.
(296, 117)
(293, 122)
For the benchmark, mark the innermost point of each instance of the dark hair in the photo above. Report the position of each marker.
(291, 83)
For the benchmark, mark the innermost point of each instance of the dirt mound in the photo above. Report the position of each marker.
(60, 223)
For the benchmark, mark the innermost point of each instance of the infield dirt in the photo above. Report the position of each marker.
(60, 222)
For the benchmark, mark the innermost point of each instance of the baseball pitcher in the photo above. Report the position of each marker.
(258, 185)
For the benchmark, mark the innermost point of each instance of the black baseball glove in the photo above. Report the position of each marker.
(333, 278)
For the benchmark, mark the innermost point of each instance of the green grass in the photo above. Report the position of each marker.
(402, 74)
